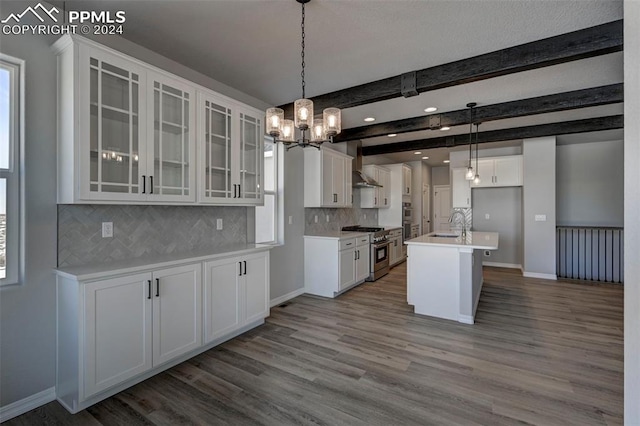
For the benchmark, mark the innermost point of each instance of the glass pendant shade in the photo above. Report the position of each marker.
(317, 131)
(476, 179)
(332, 118)
(303, 113)
(275, 117)
(470, 175)
(288, 131)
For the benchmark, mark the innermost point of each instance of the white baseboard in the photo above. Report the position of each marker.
(465, 319)
(539, 275)
(27, 404)
(502, 265)
(288, 296)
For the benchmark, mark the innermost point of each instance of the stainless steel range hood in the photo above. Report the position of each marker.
(360, 180)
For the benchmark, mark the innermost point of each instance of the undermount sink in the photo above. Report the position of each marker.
(443, 235)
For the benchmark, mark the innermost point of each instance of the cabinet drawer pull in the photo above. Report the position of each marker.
(348, 244)
(151, 179)
(144, 184)
(149, 283)
(157, 287)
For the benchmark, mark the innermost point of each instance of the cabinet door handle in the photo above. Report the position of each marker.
(144, 184)
(239, 190)
(407, 189)
(245, 267)
(149, 283)
(151, 179)
(375, 201)
(240, 269)
(385, 201)
(157, 287)
(355, 255)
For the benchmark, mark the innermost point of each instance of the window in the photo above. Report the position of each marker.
(10, 134)
(268, 216)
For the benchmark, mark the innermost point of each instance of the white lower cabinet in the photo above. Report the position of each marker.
(396, 254)
(140, 321)
(236, 293)
(332, 265)
(116, 328)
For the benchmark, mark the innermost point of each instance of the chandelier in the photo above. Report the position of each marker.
(320, 130)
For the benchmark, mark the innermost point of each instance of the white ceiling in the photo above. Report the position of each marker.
(254, 46)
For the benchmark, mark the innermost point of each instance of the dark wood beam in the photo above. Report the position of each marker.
(596, 96)
(541, 130)
(585, 43)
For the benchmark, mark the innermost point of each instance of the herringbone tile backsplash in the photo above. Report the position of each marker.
(340, 217)
(143, 231)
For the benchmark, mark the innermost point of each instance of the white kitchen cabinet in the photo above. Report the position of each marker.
(460, 188)
(236, 293)
(136, 322)
(231, 158)
(335, 264)
(327, 178)
(378, 197)
(396, 254)
(125, 131)
(415, 231)
(500, 171)
(117, 325)
(406, 180)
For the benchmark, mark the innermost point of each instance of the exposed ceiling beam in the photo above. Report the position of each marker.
(585, 43)
(596, 96)
(541, 130)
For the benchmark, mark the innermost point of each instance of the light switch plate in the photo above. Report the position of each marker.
(107, 229)
(219, 224)
(540, 218)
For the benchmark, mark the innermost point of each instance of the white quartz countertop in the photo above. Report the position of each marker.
(474, 240)
(334, 235)
(141, 264)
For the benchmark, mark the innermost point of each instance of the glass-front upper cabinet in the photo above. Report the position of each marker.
(215, 157)
(173, 144)
(251, 140)
(112, 121)
(230, 157)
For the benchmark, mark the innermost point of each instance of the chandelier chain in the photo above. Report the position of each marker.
(302, 53)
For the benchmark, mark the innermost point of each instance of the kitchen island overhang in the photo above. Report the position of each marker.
(444, 274)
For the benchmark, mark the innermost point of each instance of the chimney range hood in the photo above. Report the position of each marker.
(360, 180)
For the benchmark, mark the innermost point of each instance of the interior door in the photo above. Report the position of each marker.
(442, 207)
(426, 214)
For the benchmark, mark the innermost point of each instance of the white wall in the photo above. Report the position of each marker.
(539, 199)
(27, 311)
(631, 209)
(590, 184)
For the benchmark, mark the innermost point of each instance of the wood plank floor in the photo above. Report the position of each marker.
(541, 352)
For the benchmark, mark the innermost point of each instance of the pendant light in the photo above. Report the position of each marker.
(476, 179)
(470, 175)
(320, 130)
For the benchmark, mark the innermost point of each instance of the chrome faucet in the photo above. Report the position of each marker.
(459, 212)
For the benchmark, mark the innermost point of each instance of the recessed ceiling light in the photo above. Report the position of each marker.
(444, 128)
(446, 161)
(430, 109)
(368, 119)
(392, 135)
(425, 158)
(418, 152)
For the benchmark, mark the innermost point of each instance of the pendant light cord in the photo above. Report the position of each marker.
(470, 133)
(302, 53)
(477, 130)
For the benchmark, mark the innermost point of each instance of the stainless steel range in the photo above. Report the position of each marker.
(379, 243)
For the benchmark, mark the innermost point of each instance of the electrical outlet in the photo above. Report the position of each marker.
(327, 217)
(107, 229)
(365, 216)
(487, 216)
(487, 253)
(219, 224)
(315, 218)
(540, 218)
(290, 220)
(375, 215)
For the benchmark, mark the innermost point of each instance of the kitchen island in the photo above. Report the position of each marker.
(444, 273)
